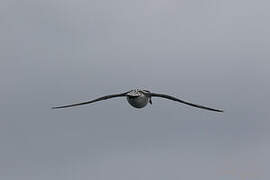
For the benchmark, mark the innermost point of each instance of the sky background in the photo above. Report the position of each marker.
(210, 52)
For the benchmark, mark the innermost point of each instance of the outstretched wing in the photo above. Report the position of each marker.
(92, 101)
(184, 102)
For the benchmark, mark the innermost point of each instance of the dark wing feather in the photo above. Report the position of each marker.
(184, 102)
(92, 101)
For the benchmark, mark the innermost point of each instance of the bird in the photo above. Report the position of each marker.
(139, 98)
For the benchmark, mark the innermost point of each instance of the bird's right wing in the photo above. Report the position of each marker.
(184, 102)
(92, 101)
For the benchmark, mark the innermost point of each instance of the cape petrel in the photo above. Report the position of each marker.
(139, 98)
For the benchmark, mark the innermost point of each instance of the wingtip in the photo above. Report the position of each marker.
(221, 111)
(54, 107)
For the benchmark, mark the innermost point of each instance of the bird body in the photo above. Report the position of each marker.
(139, 98)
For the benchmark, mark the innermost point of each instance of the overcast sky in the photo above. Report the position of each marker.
(210, 52)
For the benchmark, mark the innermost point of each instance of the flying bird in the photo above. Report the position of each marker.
(139, 98)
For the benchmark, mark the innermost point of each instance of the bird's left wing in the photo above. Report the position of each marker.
(184, 102)
(92, 101)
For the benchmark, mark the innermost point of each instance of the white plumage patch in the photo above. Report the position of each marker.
(135, 92)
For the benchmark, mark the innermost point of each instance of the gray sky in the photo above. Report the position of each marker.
(214, 53)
